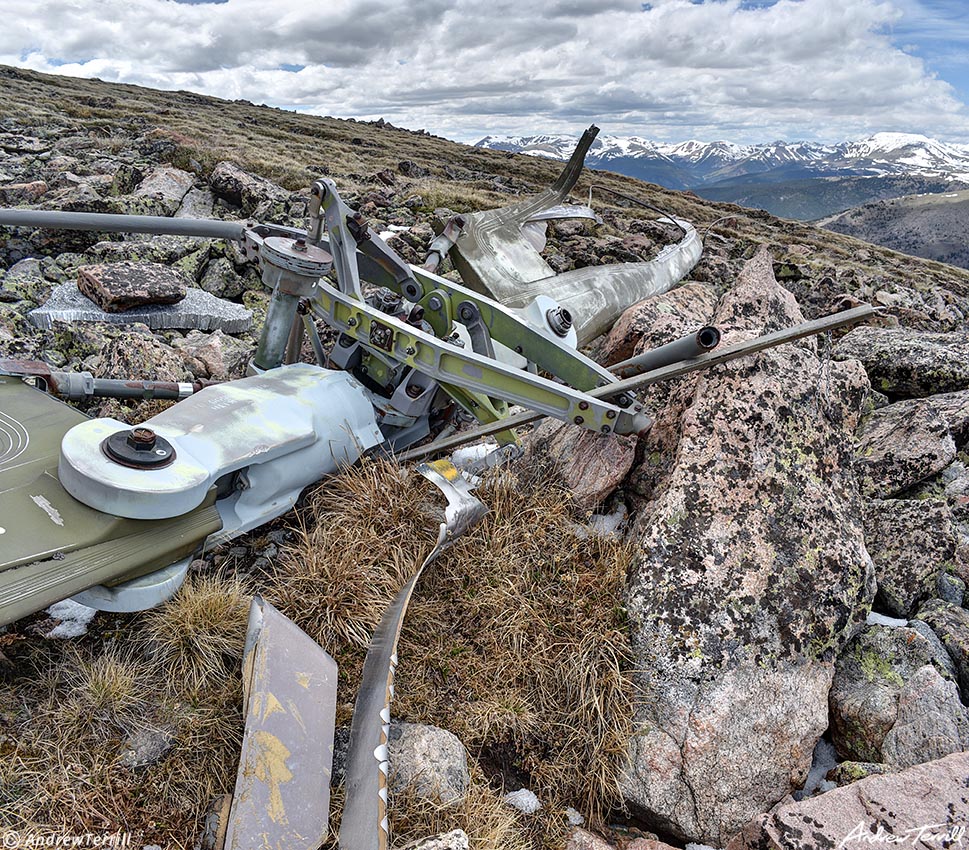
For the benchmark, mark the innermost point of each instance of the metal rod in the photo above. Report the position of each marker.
(102, 222)
(275, 330)
(684, 348)
(665, 373)
(313, 333)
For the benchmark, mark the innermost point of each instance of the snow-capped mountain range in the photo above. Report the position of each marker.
(691, 164)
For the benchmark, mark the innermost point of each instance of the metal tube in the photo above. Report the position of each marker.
(294, 344)
(684, 348)
(275, 330)
(206, 227)
(311, 331)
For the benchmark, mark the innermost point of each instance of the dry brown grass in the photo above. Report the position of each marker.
(70, 711)
(198, 635)
(514, 641)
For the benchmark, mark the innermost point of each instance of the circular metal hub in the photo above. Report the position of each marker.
(139, 448)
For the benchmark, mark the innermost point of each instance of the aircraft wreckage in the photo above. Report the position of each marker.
(111, 515)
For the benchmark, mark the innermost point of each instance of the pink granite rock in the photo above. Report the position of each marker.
(924, 806)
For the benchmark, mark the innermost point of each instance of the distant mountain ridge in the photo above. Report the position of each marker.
(693, 164)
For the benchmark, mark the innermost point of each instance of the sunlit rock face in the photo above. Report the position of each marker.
(750, 576)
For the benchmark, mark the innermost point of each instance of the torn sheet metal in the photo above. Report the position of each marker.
(282, 793)
(364, 825)
(497, 253)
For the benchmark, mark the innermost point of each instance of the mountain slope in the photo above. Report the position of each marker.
(934, 226)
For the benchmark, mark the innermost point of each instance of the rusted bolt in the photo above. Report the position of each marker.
(141, 439)
(413, 390)
(300, 244)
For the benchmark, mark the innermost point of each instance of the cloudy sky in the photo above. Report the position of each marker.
(742, 70)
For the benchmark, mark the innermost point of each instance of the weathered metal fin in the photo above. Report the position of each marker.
(282, 793)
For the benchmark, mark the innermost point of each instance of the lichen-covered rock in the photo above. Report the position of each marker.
(751, 575)
(920, 806)
(870, 676)
(134, 354)
(905, 362)
(116, 287)
(951, 624)
(243, 189)
(429, 761)
(847, 772)
(931, 721)
(656, 321)
(900, 446)
(22, 193)
(910, 542)
(213, 355)
(220, 279)
(590, 465)
(166, 186)
(25, 281)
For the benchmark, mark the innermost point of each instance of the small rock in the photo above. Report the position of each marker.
(851, 771)
(951, 624)
(931, 721)
(589, 464)
(430, 761)
(951, 589)
(242, 189)
(455, 840)
(221, 356)
(411, 169)
(574, 817)
(905, 362)
(523, 800)
(900, 446)
(909, 541)
(581, 839)
(166, 185)
(890, 805)
(870, 675)
(22, 193)
(116, 287)
(221, 279)
(147, 746)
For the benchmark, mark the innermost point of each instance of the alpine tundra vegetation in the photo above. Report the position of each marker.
(650, 638)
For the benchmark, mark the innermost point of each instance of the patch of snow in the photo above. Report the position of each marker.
(607, 525)
(881, 620)
(574, 817)
(825, 759)
(523, 800)
(700, 847)
(74, 619)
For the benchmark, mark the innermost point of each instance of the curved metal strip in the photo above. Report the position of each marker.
(365, 825)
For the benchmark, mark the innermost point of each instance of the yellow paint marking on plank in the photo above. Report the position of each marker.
(271, 755)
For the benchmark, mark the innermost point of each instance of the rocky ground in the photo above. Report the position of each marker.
(787, 580)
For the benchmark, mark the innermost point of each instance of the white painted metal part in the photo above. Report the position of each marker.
(140, 593)
(286, 428)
